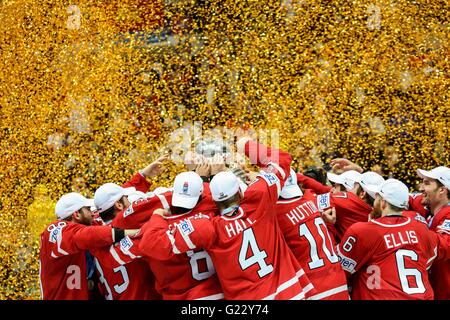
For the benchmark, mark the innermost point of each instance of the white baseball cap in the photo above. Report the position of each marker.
(370, 179)
(187, 189)
(224, 185)
(108, 194)
(71, 202)
(291, 188)
(161, 190)
(442, 174)
(347, 178)
(136, 196)
(393, 191)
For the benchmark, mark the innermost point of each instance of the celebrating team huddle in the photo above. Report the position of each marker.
(275, 234)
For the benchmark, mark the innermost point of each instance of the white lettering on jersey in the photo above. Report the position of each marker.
(394, 240)
(74, 280)
(301, 212)
(323, 201)
(237, 226)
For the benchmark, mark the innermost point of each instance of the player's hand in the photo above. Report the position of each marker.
(217, 164)
(156, 167)
(203, 169)
(341, 165)
(162, 212)
(250, 177)
(329, 215)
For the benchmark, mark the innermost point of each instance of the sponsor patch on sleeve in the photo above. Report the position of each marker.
(323, 201)
(347, 263)
(186, 227)
(418, 217)
(129, 211)
(54, 234)
(445, 225)
(126, 244)
(270, 178)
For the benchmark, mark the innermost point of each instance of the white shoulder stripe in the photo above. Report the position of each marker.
(58, 241)
(115, 255)
(163, 201)
(172, 241)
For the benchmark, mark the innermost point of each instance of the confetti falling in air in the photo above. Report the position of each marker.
(91, 90)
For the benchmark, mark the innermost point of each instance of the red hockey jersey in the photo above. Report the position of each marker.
(389, 258)
(62, 258)
(307, 236)
(248, 250)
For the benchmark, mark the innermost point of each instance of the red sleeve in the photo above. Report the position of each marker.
(310, 183)
(161, 243)
(444, 246)
(276, 168)
(126, 251)
(139, 182)
(355, 248)
(416, 205)
(140, 211)
(69, 238)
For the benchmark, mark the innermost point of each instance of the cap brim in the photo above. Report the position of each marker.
(372, 190)
(129, 191)
(89, 203)
(334, 178)
(184, 201)
(291, 191)
(425, 174)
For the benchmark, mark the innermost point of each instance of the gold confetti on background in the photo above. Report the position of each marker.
(91, 90)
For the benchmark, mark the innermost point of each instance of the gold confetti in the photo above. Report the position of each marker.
(91, 91)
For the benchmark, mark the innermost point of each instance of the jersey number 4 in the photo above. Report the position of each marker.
(258, 256)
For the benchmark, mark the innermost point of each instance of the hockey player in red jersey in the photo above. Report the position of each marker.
(307, 236)
(187, 276)
(245, 243)
(63, 244)
(389, 256)
(435, 190)
(352, 206)
(134, 281)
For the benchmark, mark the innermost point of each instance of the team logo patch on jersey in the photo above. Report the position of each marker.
(445, 225)
(323, 201)
(126, 244)
(186, 227)
(129, 211)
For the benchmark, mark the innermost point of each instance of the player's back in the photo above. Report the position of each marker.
(394, 255)
(189, 275)
(62, 276)
(252, 258)
(307, 236)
